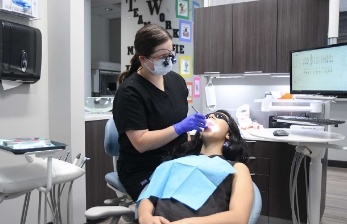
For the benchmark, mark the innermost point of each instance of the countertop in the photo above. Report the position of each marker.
(248, 137)
(88, 116)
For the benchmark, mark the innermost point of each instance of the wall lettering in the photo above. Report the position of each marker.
(130, 50)
(179, 49)
(130, 4)
(175, 33)
(154, 6)
(135, 12)
(168, 25)
(161, 17)
(140, 21)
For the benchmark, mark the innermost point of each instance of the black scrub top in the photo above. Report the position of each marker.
(139, 105)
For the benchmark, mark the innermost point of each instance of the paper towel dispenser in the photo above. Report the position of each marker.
(20, 52)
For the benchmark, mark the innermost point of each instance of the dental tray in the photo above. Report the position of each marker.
(29, 146)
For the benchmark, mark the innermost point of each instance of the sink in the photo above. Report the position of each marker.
(98, 104)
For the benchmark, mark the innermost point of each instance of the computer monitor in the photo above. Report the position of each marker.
(319, 71)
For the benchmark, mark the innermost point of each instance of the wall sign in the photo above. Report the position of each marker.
(185, 66)
(190, 92)
(182, 9)
(196, 86)
(185, 30)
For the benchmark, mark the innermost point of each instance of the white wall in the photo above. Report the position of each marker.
(87, 48)
(24, 112)
(115, 40)
(343, 5)
(100, 43)
(52, 107)
(234, 92)
(66, 85)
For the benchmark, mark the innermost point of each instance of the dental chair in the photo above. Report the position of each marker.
(118, 207)
(257, 205)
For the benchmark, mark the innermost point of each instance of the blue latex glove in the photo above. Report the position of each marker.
(192, 122)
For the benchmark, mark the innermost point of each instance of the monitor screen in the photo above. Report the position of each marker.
(321, 71)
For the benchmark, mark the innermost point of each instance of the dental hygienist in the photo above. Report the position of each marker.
(150, 109)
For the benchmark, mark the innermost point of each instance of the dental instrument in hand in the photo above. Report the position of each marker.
(195, 109)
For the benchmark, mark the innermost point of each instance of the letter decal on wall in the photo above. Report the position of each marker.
(130, 50)
(154, 6)
(130, 4)
(175, 33)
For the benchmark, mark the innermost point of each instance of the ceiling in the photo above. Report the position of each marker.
(109, 9)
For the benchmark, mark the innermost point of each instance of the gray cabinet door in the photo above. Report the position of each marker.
(254, 36)
(258, 35)
(213, 39)
(301, 24)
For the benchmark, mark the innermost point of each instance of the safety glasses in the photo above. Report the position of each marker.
(219, 115)
(165, 56)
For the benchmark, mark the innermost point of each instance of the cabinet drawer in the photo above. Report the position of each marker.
(258, 165)
(259, 148)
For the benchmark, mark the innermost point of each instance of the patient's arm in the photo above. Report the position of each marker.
(240, 205)
(145, 212)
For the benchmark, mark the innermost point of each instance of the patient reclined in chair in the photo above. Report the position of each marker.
(186, 187)
(116, 212)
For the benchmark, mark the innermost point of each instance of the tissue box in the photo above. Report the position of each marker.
(27, 8)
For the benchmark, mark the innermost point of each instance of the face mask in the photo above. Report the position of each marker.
(159, 67)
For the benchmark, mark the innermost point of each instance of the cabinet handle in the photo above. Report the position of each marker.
(252, 157)
(252, 72)
(211, 73)
(252, 174)
(250, 141)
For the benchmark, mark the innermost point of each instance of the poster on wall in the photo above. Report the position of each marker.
(190, 93)
(185, 28)
(182, 9)
(196, 87)
(185, 66)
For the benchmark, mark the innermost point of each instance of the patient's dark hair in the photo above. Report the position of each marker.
(234, 149)
(146, 39)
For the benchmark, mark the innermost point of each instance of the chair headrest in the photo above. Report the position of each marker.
(111, 144)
